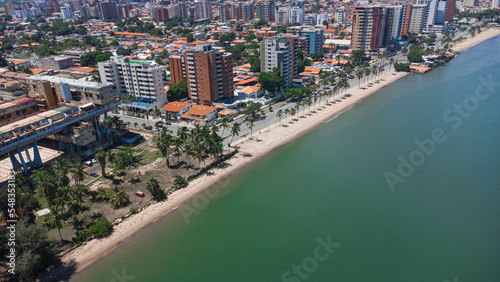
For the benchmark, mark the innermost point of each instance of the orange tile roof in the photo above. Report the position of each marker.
(198, 110)
(18, 62)
(84, 69)
(175, 106)
(37, 71)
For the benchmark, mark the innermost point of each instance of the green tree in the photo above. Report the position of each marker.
(154, 188)
(118, 198)
(415, 57)
(235, 131)
(178, 91)
(252, 109)
(180, 182)
(101, 155)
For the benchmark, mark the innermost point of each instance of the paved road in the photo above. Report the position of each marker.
(270, 118)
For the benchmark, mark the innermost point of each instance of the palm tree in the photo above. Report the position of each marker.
(188, 150)
(45, 183)
(379, 70)
(60, 171)
(177, 148)
(287, 112)
(183, 133)
(144, 125)
(297, 106)
(163, 144)
(180, 182)
(60, 199)
(77, 171)
(293, 112)
(391, 62)
(157, 112)
(118, 198)
(56, 221)
(235, 131)
(367, 72)
(136, 124)
(279, 114)
(198, 154)
(251, 126)
(374, 71)
(101, 155)
(75, 206)
(224, 124)
(359, 76)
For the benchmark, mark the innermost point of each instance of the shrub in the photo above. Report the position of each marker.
(402, 67)
(100, 228)
(133, 210)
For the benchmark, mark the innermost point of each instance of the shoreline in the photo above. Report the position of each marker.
(271, 138)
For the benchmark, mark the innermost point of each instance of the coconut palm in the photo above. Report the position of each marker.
(77, 171)
(279, 115)
(163, 144)
(60, 171)
(56, 221)
(391, 62)
(188, 150)
(136, 124)
(251, 125)
(118, 198)
(224, 124)
(74, 207)
(45, 183)
(101, 155)
(235, 131)
(359, 76)
(293, 112)
(60, 199)
(177, 143)
(297, 106)
(287, 112)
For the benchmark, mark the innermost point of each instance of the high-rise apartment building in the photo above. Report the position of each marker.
(224, 15)
(109, 11)
(247, 11)
(209, 73)
(314, 39)
(282, 16)
(296, 12)
(66, 12)
(418, 18)
(266, 10)
(405, 20)
(494, 4)
(160, 14)
(204, 10)
(138, 78)
(235, 11)
(276, 52)
(340, 15)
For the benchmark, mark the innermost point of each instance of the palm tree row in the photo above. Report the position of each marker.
(200, 142)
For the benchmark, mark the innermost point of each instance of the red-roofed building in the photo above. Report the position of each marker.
(177, 108)
(201, 113)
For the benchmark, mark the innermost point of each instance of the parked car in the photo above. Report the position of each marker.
(88, 163)
(93, 161)
(168, 123)
(93, 174)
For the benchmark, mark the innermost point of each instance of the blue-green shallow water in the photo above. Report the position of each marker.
(442, 223)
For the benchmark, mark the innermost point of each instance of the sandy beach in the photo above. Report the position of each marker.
(263, 142)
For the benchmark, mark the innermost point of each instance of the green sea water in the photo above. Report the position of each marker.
(354, 200)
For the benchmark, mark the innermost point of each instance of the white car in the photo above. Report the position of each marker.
(93, 161)
(88, 163)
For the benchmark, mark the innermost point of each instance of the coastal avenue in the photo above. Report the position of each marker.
(441, 224)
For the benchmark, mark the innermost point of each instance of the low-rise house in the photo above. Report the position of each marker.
(176, 108)
(250, 92)
(201, 113)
